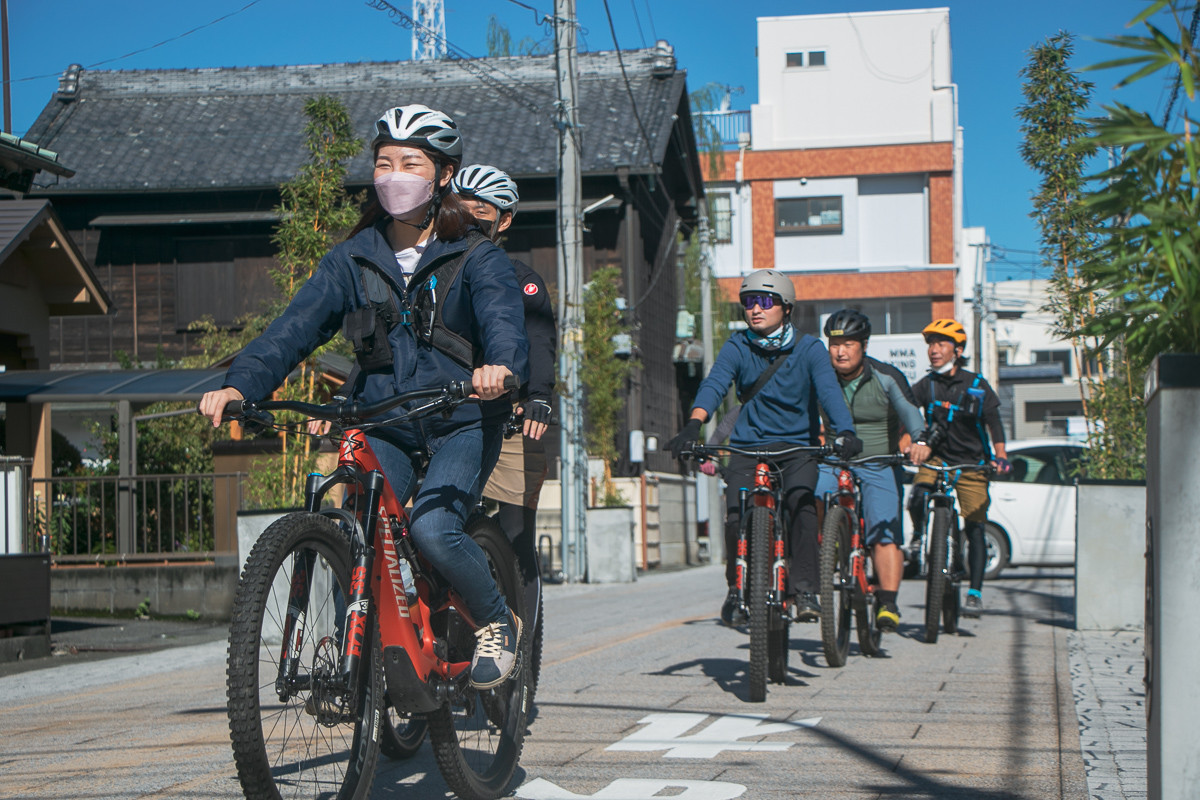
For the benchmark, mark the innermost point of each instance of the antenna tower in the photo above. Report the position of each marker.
(429, 34)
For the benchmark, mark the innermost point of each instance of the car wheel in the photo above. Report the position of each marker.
(997, 551)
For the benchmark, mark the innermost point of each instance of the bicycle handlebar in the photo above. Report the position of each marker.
(944, 468)
(704, 451)
(349, 412)
(890, 458)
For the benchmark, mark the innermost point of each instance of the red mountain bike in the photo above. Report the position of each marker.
(845, 585)
(333, 600)
(761, 565)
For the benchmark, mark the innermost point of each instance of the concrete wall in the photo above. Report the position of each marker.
(1110, 564)
(207, 589)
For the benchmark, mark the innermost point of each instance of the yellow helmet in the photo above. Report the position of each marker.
(948, 328)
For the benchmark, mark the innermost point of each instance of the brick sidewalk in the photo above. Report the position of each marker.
(1110, 700)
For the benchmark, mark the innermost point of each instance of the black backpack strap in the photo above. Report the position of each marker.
(435, 280)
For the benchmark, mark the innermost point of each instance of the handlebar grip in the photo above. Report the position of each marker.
(233, 410)
(510, 383)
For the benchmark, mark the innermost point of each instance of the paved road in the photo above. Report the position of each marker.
(642, 692)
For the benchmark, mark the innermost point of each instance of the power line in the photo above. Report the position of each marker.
(638, 20)
(144, 49)
(629, 90)
(462, 58)
(650, 17)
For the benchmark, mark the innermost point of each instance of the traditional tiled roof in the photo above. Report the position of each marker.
(241, 127)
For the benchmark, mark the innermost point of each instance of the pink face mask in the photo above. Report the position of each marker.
(402, 192)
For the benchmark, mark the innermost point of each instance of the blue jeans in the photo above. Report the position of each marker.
(459, 464)
(880, 499)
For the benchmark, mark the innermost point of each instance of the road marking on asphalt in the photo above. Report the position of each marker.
(667, 732)
(636, 789)
(633, 637)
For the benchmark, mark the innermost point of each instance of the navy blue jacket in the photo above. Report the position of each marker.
(483, 304)
(542, 332)
(786, 409)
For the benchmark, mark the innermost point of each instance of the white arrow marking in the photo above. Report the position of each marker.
(635, 789)
(666, 732)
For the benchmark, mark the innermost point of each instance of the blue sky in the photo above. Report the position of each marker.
(714, 41)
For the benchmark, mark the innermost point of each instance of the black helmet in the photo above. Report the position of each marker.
(849, 323)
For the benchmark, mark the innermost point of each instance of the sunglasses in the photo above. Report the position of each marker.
(764, 301)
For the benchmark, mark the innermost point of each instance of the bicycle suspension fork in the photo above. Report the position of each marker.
(358, 607)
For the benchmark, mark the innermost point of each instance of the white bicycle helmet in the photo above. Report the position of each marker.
(420, 126)
(488, 183)
(769, 281)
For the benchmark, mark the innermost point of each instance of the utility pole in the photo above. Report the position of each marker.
(573, 471)
(706, 486)
(429, 34)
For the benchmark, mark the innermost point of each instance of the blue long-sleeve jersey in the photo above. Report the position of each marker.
(786, 409)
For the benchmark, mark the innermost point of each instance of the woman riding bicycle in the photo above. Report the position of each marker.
(411, 334)
(783, 412)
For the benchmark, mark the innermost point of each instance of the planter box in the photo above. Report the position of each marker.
(610, 551)
(1110, 542)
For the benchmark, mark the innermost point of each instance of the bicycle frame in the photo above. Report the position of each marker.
(848, 495)
(419, 678)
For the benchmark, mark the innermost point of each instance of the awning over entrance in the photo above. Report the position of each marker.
(89, 386)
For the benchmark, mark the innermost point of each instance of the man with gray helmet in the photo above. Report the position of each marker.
(782, 413)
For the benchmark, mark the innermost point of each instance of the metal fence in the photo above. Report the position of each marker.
(139, 518)
(727, 124)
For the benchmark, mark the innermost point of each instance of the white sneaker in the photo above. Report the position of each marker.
(495, 657)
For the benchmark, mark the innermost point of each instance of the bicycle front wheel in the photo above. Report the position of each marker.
(835, 572)
(760, 522)
(477, 735)
(939, 572)
(296, 732)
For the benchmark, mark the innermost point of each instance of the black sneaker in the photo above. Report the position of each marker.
(806, 607)
(732, 613)
(887, 619)
(495, 657)
(973, 605)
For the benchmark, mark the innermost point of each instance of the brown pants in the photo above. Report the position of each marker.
(971, 489)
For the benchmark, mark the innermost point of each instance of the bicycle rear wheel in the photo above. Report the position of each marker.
(761, 522)
(939, 568)
(835, 572)
(869, 635)
(477, 735)
(297, 734)
(402, 734)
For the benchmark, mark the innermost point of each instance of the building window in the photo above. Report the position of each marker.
(816, 58)
(722, 217)
(795, 59)
(803, 215)
(1054, 357)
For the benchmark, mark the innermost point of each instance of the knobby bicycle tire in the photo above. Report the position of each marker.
(778, 623)
(309, 744)
(865, 608)
(477, 735)
(939, 567)
(535, 651)
(834, 572)
(760, 520)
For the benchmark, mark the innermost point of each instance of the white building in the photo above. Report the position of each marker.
(850, 181)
